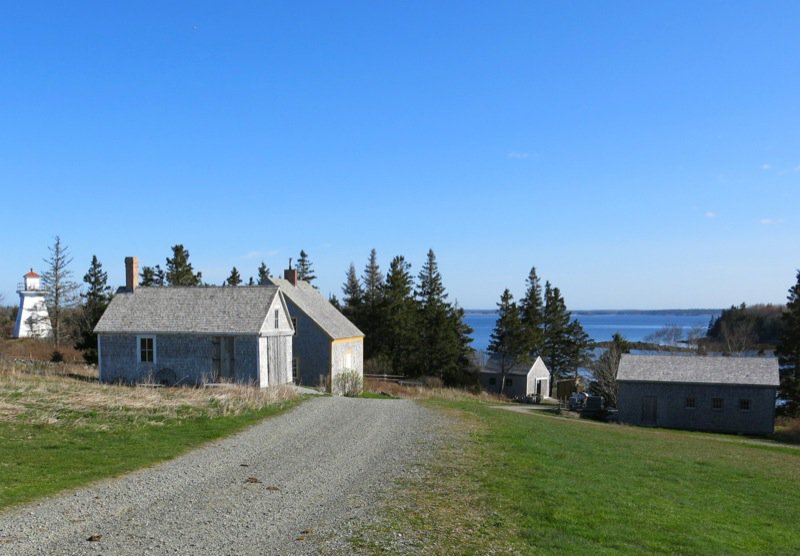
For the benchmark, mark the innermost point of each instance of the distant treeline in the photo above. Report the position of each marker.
(746, 328)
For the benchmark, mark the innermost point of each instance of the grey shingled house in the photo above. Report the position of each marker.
(194, 335)
(720, 394)
(326, 343)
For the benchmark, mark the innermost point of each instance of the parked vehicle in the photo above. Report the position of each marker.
(594, 408)
(577, 400)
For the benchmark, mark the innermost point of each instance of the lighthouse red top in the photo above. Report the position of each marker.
(31, 274)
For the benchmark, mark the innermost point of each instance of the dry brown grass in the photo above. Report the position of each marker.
(37, 350)
(426, 393)
(70, 395)
(787, 429)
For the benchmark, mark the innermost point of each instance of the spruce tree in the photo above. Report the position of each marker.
(788, 352)
(565, 343)
(60, 290)
(179, 269)
(234, 279)
(96, 299)
(438, 353)
(531, 310)
(303, 267)
(508, 343)
(399, 311)
(353, 296)
(372, 281)
(263, 274)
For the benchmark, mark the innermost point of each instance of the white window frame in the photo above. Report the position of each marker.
(139, 348)
(294, 325)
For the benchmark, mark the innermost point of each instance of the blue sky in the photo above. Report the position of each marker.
(639, 154)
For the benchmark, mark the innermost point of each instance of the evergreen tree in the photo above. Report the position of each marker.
(372, 281)
(234, 279)
(508, 343)
(353, 297)
(179, 269)
(152, 276)
(251, 282)
(333, 300)
(556, 352)
(467, 372)
(788, 352)
(96, 299)
(531, 309)
(60, 290)
(263, 274)
(303, 267)
(399, 311)
(438, 340)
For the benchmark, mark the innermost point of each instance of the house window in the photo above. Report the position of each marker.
(717, 404)
(690, 403)
(492, 381)
(277, 319)
(295, 371)
(294, 324)
(509, 382)
(147, 349)
(348, 360)
(744, 405)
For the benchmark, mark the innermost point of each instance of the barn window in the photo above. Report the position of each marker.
(294, 324)
(690, 403)
(744, 405)
(717, 404)
(509, 382)
(147, 349)
(277, 319)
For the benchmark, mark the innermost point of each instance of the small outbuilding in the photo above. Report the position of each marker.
(523, 380)
(717, 394)
(325, 344)
(194, 335)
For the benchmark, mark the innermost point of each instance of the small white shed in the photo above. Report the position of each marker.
(522, 380)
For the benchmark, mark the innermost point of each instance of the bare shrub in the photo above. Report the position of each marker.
(348, 383)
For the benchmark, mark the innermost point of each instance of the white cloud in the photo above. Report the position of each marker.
(766, 166)
(770, 221)
(711, 214)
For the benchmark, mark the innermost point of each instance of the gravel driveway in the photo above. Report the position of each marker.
(299, 483)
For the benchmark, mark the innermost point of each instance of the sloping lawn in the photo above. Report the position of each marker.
(537, 484)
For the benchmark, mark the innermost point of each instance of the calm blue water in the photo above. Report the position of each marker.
(634, 327)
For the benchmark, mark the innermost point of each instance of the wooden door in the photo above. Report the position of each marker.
(227, 370)
(649, 410)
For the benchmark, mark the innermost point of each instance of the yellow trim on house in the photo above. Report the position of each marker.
(350, 339)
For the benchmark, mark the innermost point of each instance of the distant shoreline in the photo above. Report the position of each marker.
(687, 312)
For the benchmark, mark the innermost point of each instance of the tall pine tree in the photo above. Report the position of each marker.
(439, 349)
(234, 279)
(531, 312)
(263, 274)
(372, 281)
(565, 343)
(788, 352)
(399, 314)
(508, 343)
(152, 276)
(303, 267)
(353, 300)
(179, 269)
(95, 301)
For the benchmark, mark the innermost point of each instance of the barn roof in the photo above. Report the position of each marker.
(210, 310)
(317, 308)
(752, 371)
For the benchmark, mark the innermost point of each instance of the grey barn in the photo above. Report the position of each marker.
(175, 335)
(326, 343)
(522, 380)
(720, 394)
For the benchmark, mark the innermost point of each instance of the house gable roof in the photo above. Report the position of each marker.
(317, 308)
(198, 310)
(751, 371)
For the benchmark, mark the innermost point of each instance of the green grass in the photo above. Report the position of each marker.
(37, 460)
(525, 484)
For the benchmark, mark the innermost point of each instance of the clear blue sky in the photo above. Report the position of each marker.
(639, 154)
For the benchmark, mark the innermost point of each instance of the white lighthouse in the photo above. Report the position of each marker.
(32, 318)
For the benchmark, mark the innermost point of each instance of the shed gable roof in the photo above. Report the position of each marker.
(752, 371)
(317, 308)
(523, 369)
(210, 310)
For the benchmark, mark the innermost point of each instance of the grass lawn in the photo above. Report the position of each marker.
(60, 430)
(524, 484)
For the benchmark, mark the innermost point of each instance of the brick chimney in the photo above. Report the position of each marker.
(131, 273)
(290, 274)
